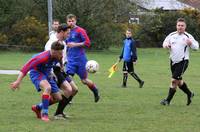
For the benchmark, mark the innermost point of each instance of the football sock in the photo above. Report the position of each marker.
(185, 89)
(45, 104)
(171, 93)
(125, 77)
(93, 88)
(39, 106)
(134, 75)
(62, 104)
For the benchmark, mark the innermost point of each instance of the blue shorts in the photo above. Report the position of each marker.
(77, 67)
(36, 77)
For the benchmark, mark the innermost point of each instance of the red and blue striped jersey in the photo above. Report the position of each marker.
(41, 62)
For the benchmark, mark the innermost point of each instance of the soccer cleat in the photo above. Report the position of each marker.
(70, 102)
(124, 86)
(37, 111)
(189, 100)
(141, 84)
(164, 102)
(61, 116)
(96, 98)
(45, 117)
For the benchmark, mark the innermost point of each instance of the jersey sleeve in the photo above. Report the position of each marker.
(85, 38)
(166, 42)
(195, 44)
(122, 52)
(134, 51)
(33, 63)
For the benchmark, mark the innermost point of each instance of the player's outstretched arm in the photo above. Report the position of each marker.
(73, 44)
(192, 43)
(14, 85)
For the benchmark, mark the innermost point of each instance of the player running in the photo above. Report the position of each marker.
(40, 67)
(76, 42)
(179, 43)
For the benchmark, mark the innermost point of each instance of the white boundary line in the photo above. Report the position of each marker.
(9, 72)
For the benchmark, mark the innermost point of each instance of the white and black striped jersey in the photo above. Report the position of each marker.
(179, 50)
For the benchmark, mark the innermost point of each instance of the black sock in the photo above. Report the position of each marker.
(171, 93)
(125, 77)
(185, 89)
(62, 104)
(134, 75)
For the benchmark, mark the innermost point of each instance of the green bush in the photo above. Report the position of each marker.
(3, 38)
(29, 33)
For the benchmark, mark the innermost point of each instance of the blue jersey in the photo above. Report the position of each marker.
(129, 50)
(77, 35)
(76, 57)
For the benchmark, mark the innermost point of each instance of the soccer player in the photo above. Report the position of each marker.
(178, 43)
(129, 56)
(40, 67)
(55, 25)
(76, 42)
(61, 34)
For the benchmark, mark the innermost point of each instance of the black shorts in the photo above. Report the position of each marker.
(178, 69)
(128, 66)
(61, 76)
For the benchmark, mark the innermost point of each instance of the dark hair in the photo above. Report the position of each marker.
(57, 45)
(180, 20)
(62, 27)
(70, 16)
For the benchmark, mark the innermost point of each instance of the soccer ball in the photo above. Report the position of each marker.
(92, 66)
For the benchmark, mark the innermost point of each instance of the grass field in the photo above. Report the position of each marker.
(128, 109)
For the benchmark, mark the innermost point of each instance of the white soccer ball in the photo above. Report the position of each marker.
(92, 66)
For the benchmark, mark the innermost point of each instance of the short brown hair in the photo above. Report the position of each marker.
(129, 30)
(70, 16)
(57, 45)
(55, 20)
(180, 20)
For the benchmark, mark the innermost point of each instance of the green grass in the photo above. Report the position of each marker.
(120, 109)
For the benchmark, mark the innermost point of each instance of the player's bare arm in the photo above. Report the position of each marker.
(14, 85)
(73, 44)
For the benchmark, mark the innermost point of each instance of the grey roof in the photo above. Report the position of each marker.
(165, 4)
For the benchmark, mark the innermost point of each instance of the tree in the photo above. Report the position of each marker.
(99, 17)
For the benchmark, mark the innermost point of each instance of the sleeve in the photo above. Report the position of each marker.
(122, 52)
(34, 62)
(166, 42)
(85, 38)
(195, 44)
(48, 45)
(134, 51)
(64, 59)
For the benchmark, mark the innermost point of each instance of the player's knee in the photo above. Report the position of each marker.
(75, 92)
(180, 83)
(175, 82)
(84, 81)
(47, 90)
(58, 98)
